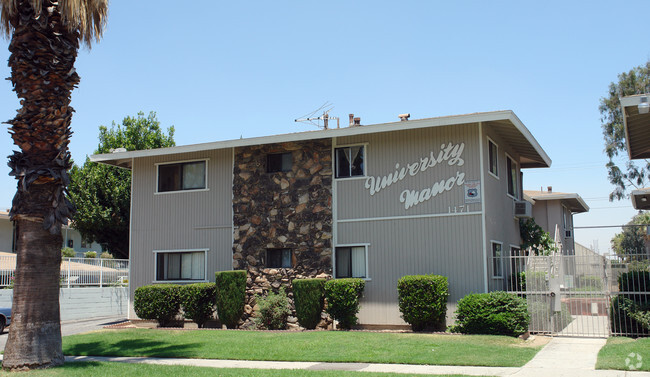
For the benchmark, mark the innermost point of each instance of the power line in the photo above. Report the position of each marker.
(609, 226)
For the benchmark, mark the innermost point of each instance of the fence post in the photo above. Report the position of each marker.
(68, 277)
(101, 272)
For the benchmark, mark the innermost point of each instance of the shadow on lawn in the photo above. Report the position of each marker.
(133, 348)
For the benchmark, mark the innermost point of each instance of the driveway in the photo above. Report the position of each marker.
(73, 327)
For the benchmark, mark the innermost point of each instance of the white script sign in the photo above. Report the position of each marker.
(450, 153)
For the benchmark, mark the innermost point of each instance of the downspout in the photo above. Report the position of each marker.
(483, 221)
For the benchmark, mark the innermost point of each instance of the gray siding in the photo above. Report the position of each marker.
(448, 246)
(181, 220)
(423, 239)
(501, 225)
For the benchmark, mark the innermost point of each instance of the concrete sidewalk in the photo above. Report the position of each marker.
(561, 357)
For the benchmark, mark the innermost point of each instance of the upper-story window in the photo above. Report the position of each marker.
(493, 153)
(278, 162)
(182, 176)
(513, 187)
(350, 161)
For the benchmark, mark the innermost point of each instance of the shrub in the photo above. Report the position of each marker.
(67, 252)
(273, 311)
(160, 302)
(494, 313)
(90, 254)
(517, 282)
(423, 301)
(342, 297)
(635, 281)
(198, 301)
(629, 318)
(231, 296)
(309, 298)
(106, 255)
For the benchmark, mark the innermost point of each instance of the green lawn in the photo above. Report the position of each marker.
(83, 369)
(618, 349)
(332, 346)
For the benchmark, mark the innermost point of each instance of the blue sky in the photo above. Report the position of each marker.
(221, 70)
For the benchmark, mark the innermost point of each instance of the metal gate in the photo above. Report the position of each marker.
(582, 295)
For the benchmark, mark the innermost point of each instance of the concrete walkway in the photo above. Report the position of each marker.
(573, 357)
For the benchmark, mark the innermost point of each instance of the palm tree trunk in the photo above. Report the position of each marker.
(43, 52)
(35, 332)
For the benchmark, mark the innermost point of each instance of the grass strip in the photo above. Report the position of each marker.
(324, 346)
(621, 353)
(109, 369)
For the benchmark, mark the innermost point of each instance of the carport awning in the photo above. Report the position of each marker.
(641, 198)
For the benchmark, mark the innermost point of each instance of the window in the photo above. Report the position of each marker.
(277, 162)
(185, 265)
(351, 262)
(496, 260)
(350, 162)
(511, 166)
(279, 258)
(182, 176)
(493, 152)
(84, 244)
(71, 243)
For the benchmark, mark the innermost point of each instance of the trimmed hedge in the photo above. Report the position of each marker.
(230, 296)
(342, 297)
(423, 301)
(198, 301)
(494, 313)
(159, 301)
(309, 299)
(630, 311)
(273, 311)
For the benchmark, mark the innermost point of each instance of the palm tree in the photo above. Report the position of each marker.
(45, 37)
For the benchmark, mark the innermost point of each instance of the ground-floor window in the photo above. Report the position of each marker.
(180, 265)
(279, 258)
(351, 262)
(497, 253)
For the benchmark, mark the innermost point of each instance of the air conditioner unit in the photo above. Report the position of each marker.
(568, 234)
(523, 209)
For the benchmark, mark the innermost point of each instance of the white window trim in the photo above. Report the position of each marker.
(365, 247)
(205, 264)
(365, 161)
(489, 164)
(496, 277)
(516, 177)
(157, 164)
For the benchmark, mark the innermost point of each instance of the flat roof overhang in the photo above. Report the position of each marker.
(506, 123)
(637, 127)
(641, 199)
(572, 201)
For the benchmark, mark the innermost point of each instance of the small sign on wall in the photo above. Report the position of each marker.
(472, 192)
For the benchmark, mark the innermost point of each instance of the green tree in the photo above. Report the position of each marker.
(535, 238)
(102, 194)
(45, 37)
(633, 174)
(631, 242)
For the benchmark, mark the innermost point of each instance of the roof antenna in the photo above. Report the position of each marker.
(315, 121)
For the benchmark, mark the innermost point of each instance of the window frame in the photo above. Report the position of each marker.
(282, 169)
(496, 162)
(365, 250)
(157, 182)
(180, 251)
(280, 249)
(495, 259)
(512, 177)
(365, 160)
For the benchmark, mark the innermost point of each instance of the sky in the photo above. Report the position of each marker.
(225, 70)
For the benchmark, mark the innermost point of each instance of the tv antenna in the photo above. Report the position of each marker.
(315, 121)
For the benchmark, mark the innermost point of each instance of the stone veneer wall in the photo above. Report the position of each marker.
(282, 210)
